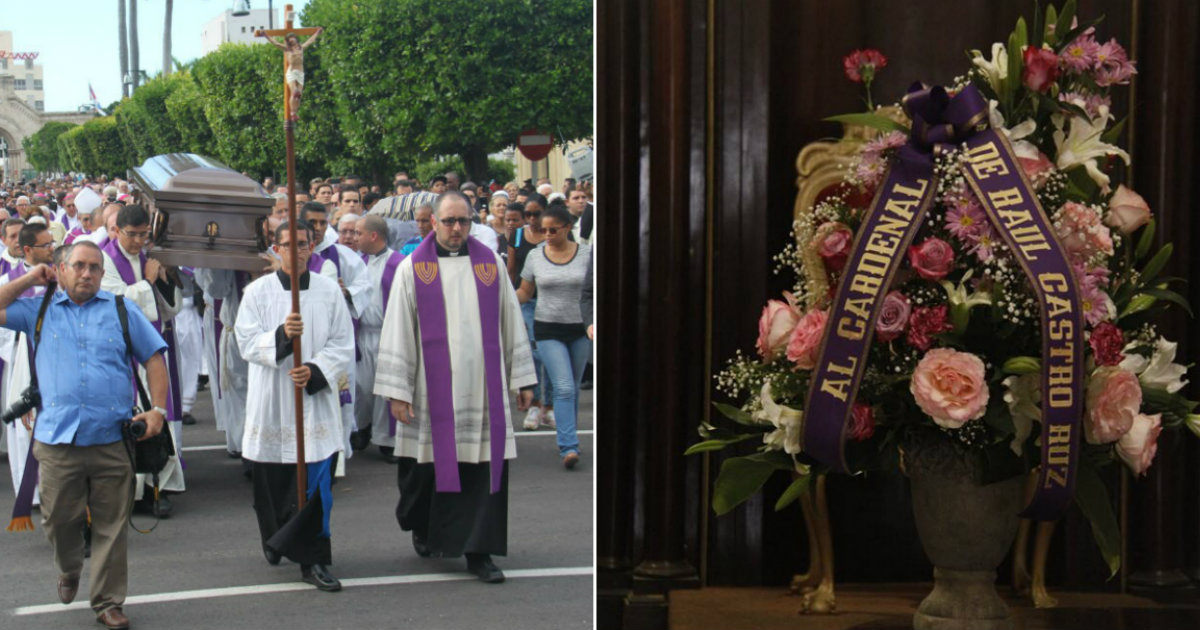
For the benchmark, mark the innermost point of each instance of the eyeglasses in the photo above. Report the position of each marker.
(136, 235)
(554, 230)
(299, 246)
(450, 221)
(48, 245)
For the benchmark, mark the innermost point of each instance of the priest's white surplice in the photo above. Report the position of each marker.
(327, 342)
(400, 373)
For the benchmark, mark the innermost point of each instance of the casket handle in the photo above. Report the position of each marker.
(260, 238)
(158, 227)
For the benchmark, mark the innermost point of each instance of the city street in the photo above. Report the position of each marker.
(203, 567)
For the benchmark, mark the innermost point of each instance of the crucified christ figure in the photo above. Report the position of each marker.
(293, 71)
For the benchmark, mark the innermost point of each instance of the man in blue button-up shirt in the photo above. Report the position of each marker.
(85, 380)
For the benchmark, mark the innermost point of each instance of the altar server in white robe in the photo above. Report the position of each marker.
(36, 244)
(265, 331)
(454, 484)
(189, 338)
(351, 274)
(144, 281)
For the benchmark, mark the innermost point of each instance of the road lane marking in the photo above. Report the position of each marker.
(222, 447)
(288, 587)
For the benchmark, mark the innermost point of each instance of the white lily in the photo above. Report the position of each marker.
(1159, 371)
(957, 295)
(1016, 135)
(1082, 146)
(995, 69)
(1023, 394)
(788, 423)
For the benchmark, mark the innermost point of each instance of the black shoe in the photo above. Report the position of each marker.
(420, 545)
(202, 383)
(271, 555)
(482, 567)
(147, 505)
(389, 454)
(360, 440)
(188, 419)
(320, 577)
(234, 454)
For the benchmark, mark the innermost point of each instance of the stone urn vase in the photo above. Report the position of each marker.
(966, 530)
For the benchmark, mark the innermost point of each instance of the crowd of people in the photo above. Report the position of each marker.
(396, 287)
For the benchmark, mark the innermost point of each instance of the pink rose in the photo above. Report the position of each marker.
(1036, 167)
(1127, 211)
(1114, 397)
(775, 328)
(893, 316)
(1081, 232)
(949, 386)
(805, 343)
(834, 247)
(1041, 69)
(932, 259)
(1139, 445)
(862, 422)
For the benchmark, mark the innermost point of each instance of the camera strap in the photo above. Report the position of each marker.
(37, 332)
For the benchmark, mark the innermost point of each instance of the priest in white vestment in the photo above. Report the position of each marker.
(465, 511)
(266, 330)
(370, 410)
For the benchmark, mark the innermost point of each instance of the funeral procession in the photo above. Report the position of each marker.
(299, 320)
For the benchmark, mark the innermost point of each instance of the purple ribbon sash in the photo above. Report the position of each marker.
(385, 283)
(174, 406)
(435, 348)
(941, 122)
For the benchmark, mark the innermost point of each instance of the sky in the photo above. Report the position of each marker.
(76, 41)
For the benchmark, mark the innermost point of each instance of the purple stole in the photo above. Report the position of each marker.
(23, 507)
(174, 406)
(6, 266)
(385, 283)
(74, 234)
(435, 347)
(65, 220)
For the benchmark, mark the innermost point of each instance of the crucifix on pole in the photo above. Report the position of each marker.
(293, 84)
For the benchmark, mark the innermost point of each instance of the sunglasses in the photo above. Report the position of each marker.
(533, 214)
(450, 221)
(553, 230)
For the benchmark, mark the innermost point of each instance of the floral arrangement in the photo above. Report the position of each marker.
(957, 342)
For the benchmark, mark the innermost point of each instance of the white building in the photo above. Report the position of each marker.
(26, 75)
(230, 28)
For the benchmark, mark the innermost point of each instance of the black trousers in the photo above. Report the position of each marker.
(275, 504)
(454, 523)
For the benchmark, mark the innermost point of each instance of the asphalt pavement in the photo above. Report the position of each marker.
(203, 567)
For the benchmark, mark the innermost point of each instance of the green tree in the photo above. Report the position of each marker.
(107, 149)
(418, 78)
(42, 147)
(241, 87)
(185, 108)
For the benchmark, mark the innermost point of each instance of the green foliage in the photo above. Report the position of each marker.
(74, 143)
(41, 148)
(500, 170)
(1092, 498)
(133, 125)
(418, 78)
(874, 121)
(107, 148)
(185, 108)
(741, 477)
(242, 86)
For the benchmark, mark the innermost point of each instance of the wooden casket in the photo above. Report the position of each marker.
(202, 213)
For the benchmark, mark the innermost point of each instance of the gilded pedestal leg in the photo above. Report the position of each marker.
(821, 600)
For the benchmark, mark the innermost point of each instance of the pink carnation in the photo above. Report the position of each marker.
(805, 343)
(775, 328)
(927, 321)
(1081, 231)
(1139, 445)
(862, 422)
(860, 65)
(1114, 397)
(1107, 341)
(950, 387)
(1036, 168)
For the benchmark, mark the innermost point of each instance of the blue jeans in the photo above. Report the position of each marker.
(565, 362)
(543, 391)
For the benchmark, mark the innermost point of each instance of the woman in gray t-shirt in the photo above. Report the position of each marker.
(558, 271)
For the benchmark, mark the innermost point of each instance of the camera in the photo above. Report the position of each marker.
(135, 428)
(30, 399)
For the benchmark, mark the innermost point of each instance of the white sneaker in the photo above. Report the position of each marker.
(532, 418)
(548, 419)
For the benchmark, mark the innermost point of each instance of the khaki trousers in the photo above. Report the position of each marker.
(72, 478)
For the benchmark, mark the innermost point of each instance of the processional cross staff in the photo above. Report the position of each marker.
(293, 84)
